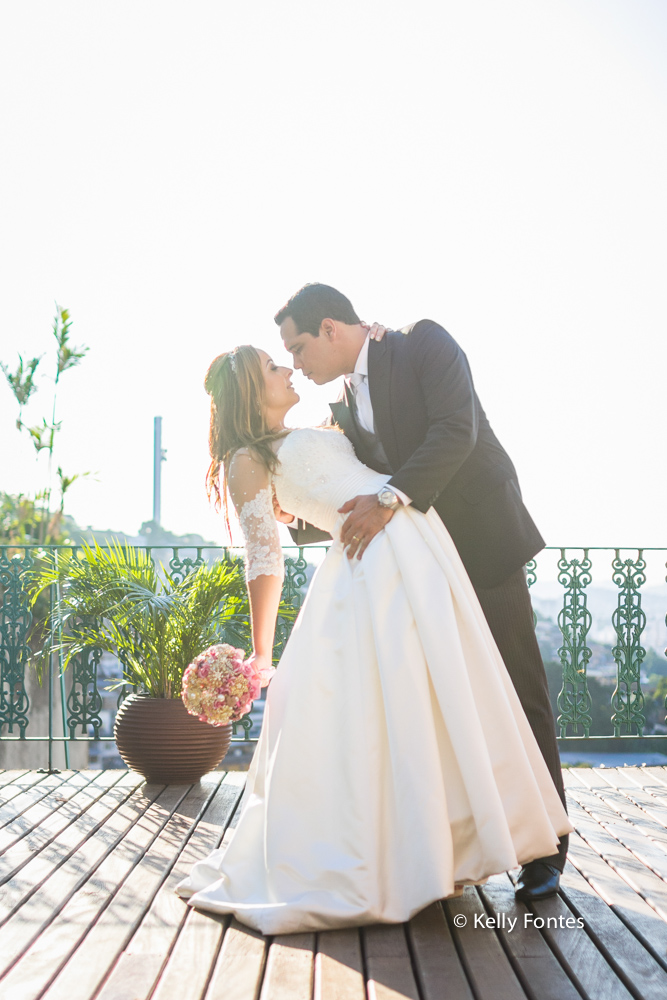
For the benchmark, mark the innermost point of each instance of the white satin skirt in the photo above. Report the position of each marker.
(395, 759)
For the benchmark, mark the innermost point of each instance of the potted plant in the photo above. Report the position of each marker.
(117, 600)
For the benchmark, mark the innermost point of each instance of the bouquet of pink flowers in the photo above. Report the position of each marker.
(220, 685)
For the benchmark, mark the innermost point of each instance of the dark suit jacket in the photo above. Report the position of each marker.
(442, 451)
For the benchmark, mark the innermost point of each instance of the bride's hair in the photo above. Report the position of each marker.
(235, 384)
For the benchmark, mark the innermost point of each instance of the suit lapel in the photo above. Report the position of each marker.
(343, 414)
(379, 386)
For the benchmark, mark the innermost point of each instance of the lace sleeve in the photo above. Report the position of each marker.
(252, 493)
(264, 554)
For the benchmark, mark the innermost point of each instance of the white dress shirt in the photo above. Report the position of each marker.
(358, 382)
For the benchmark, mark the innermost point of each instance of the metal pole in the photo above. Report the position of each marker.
(157, 469)
(61, 672)
(51, 769)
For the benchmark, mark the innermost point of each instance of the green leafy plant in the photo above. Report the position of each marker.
(43, 434)
(117, 600)
(22, 383)
(21, 520)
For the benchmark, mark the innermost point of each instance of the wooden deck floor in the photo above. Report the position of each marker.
(87, 908)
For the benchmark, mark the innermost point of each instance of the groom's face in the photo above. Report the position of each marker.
(317, 357)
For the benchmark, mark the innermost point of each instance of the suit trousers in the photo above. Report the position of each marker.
(509, 612)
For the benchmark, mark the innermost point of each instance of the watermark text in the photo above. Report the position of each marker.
(505, 922)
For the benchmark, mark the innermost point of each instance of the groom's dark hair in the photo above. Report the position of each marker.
(314, 303)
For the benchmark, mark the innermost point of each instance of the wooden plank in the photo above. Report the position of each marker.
(145, 955)
(627, 956)
(437, 963)
(388, 963)
(27, 797)
(33, 830)
(589, 777)
(533, 961)
(576, 952)
(634, 814)
(192, 959)
(37, 812)
(237, 973)
(339, 971)
(45, 862)
(137, 815)
(85, 971)
(204, 932)
(13, 774)
(647, 851)
(617, 777)
(622, 777)
(643, 778)
(628, 801)
(652, 806)
(16, 780)
(627, 865)
(635, 912)
(658, 773)
(486, 964)
(571, 777)
(289, 968)
(627, 780)
(44, 957)
(201, 934)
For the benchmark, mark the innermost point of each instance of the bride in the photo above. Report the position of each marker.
(395, 762)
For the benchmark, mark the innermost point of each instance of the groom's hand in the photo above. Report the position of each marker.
(279, 513)
(366, 516)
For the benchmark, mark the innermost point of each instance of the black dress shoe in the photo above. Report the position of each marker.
(537, 880)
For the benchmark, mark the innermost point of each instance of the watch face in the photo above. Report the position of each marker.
(387, 497)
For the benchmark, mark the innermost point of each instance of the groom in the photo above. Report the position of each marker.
(410, 409)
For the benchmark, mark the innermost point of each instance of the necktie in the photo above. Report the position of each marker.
(362, 397)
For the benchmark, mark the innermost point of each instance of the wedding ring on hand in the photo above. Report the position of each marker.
(355, 538)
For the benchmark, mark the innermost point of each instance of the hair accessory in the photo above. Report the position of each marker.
(232, 360)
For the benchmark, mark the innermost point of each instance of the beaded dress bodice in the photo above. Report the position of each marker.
(317, 472)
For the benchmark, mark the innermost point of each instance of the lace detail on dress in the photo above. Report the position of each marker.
(264, 554)
(317, 472)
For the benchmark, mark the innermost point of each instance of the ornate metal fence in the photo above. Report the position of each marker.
(77, 689)
(79, 718)
(627, 569)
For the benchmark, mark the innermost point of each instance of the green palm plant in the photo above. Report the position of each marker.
(116, 600)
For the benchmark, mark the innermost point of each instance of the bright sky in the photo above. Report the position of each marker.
(172, 172)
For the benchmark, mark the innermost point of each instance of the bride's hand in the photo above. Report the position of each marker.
(264, 668)
(377, 330)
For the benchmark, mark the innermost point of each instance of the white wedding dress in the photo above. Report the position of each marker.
(395, 759)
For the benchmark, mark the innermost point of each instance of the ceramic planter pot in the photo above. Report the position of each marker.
(158, 738)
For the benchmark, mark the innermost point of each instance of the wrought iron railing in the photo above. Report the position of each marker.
(627, 569)
(79, 718)
(77, 689)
